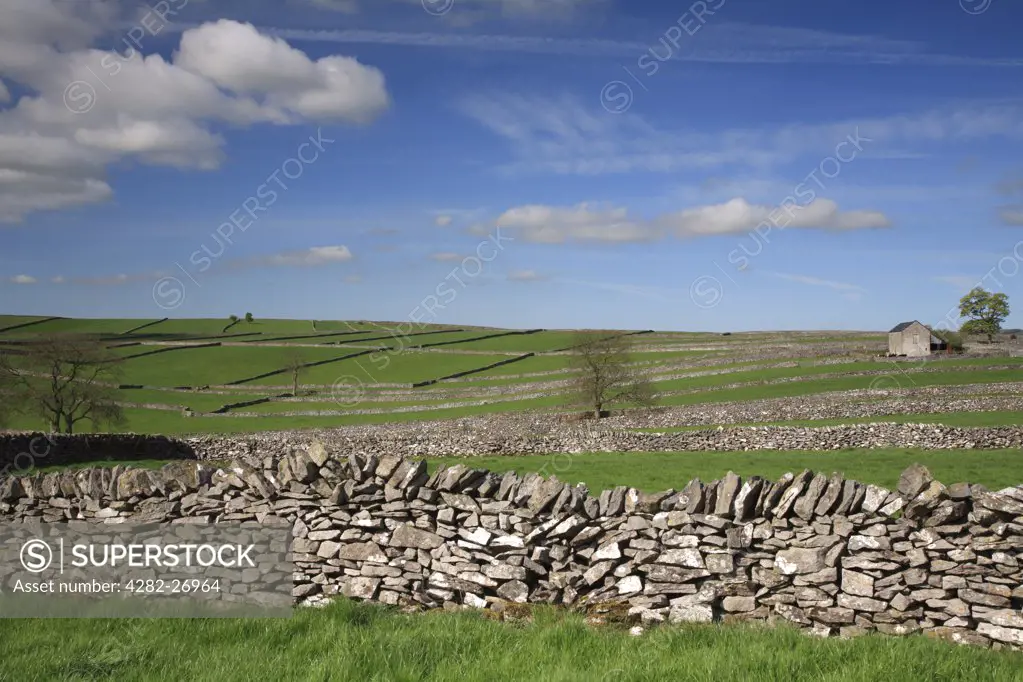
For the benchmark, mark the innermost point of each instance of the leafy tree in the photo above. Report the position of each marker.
(603, 375)
(65, 380)
(233, 319)
(985, 311)
(248, 318)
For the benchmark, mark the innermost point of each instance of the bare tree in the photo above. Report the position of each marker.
(295, 363)
(65, 380)
(603, 374)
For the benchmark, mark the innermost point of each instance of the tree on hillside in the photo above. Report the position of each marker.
(295, 363)
(986, 312)
(248, 318)
(603, 376)
(233, 319)
(65, 380)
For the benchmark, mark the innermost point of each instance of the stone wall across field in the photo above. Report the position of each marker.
(832, 555)
(534, 434)
(491, 435)
(21, 452)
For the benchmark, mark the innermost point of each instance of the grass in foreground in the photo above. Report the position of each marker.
(655, 471)
(349, 641)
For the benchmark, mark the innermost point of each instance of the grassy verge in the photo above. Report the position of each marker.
(654, 471)
(350, 641)
(813, 386)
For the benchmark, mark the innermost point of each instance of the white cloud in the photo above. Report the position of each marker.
(585, 222)
(442, 220)
(554, 225)
(817, 282)
(445, 256)
(238, 58)
(59, 279)
(148, 109)
(525, 276)
(738, 216)
(23, 279)
(317, 255)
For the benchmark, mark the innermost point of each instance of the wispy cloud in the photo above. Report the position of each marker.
(526, 276)
(959, 281)
(720, 42)
(654, 293)
(817, 282)
(22, 279)
(562, 135)
(445, 256)
(316, 256)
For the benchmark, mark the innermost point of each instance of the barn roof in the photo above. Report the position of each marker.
(902, 327)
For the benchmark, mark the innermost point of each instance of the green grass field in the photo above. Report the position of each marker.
(680, 353)
(656, 471)
(216, 365)
(358, 642)
(404, 367)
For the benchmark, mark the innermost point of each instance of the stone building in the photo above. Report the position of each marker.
(913, 339)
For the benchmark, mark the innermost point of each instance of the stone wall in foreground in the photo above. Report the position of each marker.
(828, 554)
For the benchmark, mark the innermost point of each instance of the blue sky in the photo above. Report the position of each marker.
(720, 165)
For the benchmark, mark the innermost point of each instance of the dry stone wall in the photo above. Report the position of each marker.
(491, 435)
(21, 452)
(828, 554)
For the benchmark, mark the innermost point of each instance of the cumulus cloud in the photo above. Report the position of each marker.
(22, 279)
(90, 108)
(442, 220)
(586, 222)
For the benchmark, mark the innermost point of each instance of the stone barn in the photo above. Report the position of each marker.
(912, 339)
